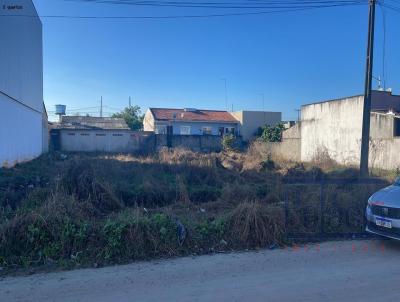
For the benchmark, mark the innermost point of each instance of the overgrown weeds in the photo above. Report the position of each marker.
(104, 209)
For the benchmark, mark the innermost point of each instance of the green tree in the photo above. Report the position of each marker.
(132, 116)
(271, 133)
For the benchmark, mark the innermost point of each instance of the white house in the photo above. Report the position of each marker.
(190, 121)
(22, 128)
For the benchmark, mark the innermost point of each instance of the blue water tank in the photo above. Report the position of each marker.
(60, 109)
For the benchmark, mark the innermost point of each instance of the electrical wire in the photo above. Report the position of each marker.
(192, 16)
(227, 5)
(390, 6)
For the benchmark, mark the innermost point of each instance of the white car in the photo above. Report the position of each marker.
(383, 212)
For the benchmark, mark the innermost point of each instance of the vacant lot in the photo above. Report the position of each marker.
(74, 210)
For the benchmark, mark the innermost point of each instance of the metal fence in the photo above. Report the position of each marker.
(333, 208)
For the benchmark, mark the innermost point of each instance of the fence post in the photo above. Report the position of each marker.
(321, 207)
(285, 200)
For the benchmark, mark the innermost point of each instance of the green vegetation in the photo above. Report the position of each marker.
(105, 209)
(228, 142)
(271, 133)
(132, 116)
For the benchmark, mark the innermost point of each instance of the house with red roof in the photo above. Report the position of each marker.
(190, 121)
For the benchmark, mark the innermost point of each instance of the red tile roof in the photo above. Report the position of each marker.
(198, 115)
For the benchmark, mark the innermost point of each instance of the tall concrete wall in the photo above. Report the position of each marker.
(334, 128)
(21, 83)
(20, 132)
(384, 153)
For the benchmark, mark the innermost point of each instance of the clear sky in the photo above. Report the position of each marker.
(292, 58)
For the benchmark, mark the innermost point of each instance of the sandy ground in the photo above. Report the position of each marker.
(334, 271)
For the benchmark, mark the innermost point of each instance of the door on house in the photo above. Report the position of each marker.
(55, 140)
(169, 136)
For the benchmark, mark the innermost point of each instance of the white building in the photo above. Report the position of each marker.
(94, 134)
(23, 118)
(190, 121)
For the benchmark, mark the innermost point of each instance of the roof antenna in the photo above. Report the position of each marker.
(379, 83)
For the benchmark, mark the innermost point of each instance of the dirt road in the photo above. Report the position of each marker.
(335, 271)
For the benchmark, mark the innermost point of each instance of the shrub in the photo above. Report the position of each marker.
(228, 142)
(271, 133)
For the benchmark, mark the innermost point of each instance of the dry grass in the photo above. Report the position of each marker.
(104, 209)
(252, 224)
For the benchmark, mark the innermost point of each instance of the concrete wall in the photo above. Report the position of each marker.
(250, 121)
(333, 128)
(288, 150)
(384, 153)
(290, 147)
(21, 61)
(21, 83)
(101, 141)
(20, 132)
(129, 141)
(45, 132)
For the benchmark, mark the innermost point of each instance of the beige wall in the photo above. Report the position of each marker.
(148, 121)
(250, 121)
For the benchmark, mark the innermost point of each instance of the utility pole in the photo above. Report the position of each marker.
(101, 106)
(298, 114)
(367, 93)
(130, 104)
(226, 93)
(263, 107)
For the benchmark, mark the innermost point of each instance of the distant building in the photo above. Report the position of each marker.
(190, 121)
(333, 129)
(208, 122)
(93, 134)
(251, 121)
(23, 121)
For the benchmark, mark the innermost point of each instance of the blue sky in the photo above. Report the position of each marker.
(291, 58)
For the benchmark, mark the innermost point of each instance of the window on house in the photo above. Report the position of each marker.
(206, 130)
(100, 134)
(117, 134)
(185, 130)
(85, 134)
(221, 131)
(161, 129)
(71, 134)
(396, 128)
(230, 130)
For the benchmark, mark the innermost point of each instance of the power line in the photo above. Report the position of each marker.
(227, 5)
(184, 16)
(390, 6)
